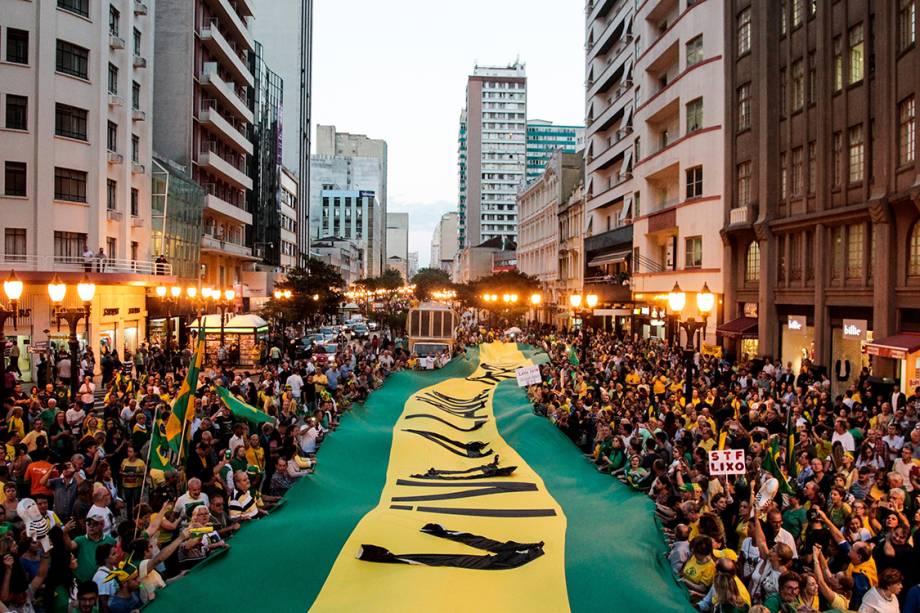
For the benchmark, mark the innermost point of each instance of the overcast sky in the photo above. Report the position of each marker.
(397, 70)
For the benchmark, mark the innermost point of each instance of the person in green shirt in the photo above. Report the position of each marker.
(787, 599)
(795, 518)
(84, 546)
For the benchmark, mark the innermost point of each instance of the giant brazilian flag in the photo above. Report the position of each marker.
(183, 407)
(446, 493)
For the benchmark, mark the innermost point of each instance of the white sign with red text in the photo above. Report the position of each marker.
(726, 462)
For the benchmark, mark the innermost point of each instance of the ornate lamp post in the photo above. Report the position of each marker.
(535, 300)
(590, 301)
(283, 295)
(86, 290)
(12, 287)
(677, 300)
(223, 299)
(170, 297)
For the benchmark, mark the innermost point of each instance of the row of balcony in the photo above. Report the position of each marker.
(218, 46)
(212, 82)
(76, 264)
(217, 124)
(234, 22)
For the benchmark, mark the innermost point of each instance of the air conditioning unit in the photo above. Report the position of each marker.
(624, 132)
(138, 115)
(137, 169)
(137, 222)
(113, 215)
(115, 158)
(116, 42)
(140, 8)
(116, 100)
(140, 62)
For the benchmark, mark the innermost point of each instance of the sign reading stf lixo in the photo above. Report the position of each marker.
(726, 462)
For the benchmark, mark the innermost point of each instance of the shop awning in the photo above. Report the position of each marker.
(610, 258)
(743, 327)
(898, 346)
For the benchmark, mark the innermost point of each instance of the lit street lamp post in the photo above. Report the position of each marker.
(57, 290)
(175, 294)
(282, 295)
(12, 287)
(705, 301)
(590, 301)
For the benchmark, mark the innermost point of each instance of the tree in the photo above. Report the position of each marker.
(428, 280)
(510, 283)
(387, 289)
(316, 291)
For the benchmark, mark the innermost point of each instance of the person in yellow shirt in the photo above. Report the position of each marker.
(255, 454)
(14, 422)
(700, 569)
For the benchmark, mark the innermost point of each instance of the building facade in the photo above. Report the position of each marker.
(288, 213)
(538, 206)
(286, 28)
(571, 215)
(493, 129)
(544, 138)
(330, 142)
(821, 234)
(345, 255)
(203, 119)
(445, 241)
(352, 215)
(677, 151)
(76, 156)
(461, 180)
(398, 240)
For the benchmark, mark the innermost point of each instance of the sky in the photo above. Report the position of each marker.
(397, 70)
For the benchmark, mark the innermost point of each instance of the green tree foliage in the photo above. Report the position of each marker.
(428, 280)
(500, 284)
(316, 290)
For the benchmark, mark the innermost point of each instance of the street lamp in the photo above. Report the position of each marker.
(86, 290)
(12, 287)
(590, 301)
(282, 295)
(169, 296)
(705, 301)
(223, 298)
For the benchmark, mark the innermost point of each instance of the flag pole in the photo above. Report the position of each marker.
(140, 497)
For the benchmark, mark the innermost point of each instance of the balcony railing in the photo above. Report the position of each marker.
(75, 263)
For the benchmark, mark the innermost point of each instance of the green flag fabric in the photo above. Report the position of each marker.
(161, 454)
(573, 356)
(183, 407)
(241, 409)
(771, 465)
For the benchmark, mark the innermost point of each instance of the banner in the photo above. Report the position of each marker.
(183, 407)
(528, 375)
(726, 462)
(241, 409)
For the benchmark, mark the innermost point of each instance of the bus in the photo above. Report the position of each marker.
(432, 328)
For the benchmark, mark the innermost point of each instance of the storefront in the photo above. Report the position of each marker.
(744, 331)
(649, 322)
(797, 340)
(849, 338)
(904, 348)
(244, 332)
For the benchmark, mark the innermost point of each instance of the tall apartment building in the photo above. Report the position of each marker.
(823, 244)
(493, 129)
(351, 215)
(329, 142)
(397, 231)
(544, 138)
(286, 28)
(609, 144)
(203, 119)
(75, 152)
(677, 153)
(445, 242)
(461, 180)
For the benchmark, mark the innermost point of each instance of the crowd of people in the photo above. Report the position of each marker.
(824, 516)
(86, 522)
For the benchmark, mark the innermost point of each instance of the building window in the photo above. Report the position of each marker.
(783, 176)
(136, 96)
(812, 167)
(694, 115)
(798, 171)
(812, 8)
(17, 112)
(795, 256)
(69, 246)
(907, 24)
(838, 158)
(694, 50)
(752, 262)
(110, 247)
(838, 64)
(856, 154)
(744, 31)
(798, 85)
(137, 41)
(907, 131)
(783, 17)
(111, 139)
(856, 54)
(744, 106)
(837, 253)
(781, 262)
(913, 260)
(113, 79)
(17, 46)
(69, 185)
(856, 244)
(114, 18)
(80, 7)
(812, 78)
(14, 244)
(135, 148)
(111, 191)
(70, 122)
(14, 179)
(135, 202)
(797, 13)
(783, 100)
(72, 59)
(744, 183)
(694, 182)
(693, 257)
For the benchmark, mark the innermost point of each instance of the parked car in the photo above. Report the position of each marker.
(359, 331)
(329, 333)
(307, 345)
(324, 353)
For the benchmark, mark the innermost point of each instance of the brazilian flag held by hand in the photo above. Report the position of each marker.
(183, 407)
(772, 465)
(161, 454)
(241, 409)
